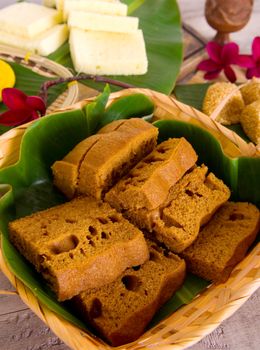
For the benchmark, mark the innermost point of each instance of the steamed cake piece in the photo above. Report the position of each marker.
(43, 44)
(66, 171)
(224, 241)
(192, 202)
(251, 91)
(121, 310)
(100, 22)
(250, 121)
(216, 93)
(28, 19)
(106, 53)
(99, 6)
(147, 185)
(98, 162)
(78, 245)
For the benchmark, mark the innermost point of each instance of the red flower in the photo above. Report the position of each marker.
(22, 108)
(220, 58)
(252, 62)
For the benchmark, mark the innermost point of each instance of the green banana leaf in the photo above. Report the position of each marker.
(161, 25)
(27, 186)
(193, 95)
(30, 82)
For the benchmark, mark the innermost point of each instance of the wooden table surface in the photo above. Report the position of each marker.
(20, 329)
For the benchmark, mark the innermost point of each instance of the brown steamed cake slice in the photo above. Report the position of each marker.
(97, 163)
(192, 202)
(148, 183)
(66, 171)
(121, 310)
(79, 245)
(224, 241)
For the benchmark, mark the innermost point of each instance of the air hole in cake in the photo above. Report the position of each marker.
(91, 243)
(82, 251)
(145, 292)
(71, 255)
(136, 268)
(236, 216)
(152, 160)
(161, 150)
(92, 230)
(131, 282)
(70, 221)
(43, 226)
(113, 218)
(198, 195)
(45, 234)
(154, 256)
(104, 235)
(64, 245)
(189, 193)
(103, 221)
(96, 308)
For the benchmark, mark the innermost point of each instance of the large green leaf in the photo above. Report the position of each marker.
(50, 138)
(161, 25)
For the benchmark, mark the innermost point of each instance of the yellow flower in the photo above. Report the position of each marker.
(7, 77)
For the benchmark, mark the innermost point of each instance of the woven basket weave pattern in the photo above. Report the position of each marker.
(191, 322)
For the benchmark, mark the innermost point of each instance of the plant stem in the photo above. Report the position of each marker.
(45, 86)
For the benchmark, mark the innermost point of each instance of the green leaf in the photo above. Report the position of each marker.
(161, 25)
(126, 107)
(94, 111)
(51, 138)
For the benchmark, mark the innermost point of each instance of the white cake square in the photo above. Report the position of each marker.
(106, 53)
(106, 23)
(28, 19)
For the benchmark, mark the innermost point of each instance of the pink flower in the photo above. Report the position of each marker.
(22, 108)
(251, 62)
(220, 58)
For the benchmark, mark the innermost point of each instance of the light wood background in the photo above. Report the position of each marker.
(20, 329)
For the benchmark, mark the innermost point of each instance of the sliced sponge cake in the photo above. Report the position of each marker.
(108, 53)
(79, 245)
(98, 162)
(97, 6)
(148, 183)
(120, 311)
(224, 241)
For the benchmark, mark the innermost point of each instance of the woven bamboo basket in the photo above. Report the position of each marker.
(192, 322)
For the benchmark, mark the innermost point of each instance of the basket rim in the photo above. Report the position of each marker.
(191, 322)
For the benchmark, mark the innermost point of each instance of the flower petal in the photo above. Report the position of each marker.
(230, 74)
(208, 65)
(14, 99)
(36, 103)
(229, 53)
(245, 61)
(212, 75)
(256, 48)
(214, 51)
(14, 118)
(253, 72)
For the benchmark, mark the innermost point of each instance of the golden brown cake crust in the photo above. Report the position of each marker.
(78, 245)
(121, 311)
(147, 185)
(97, 163)
(224, 241)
